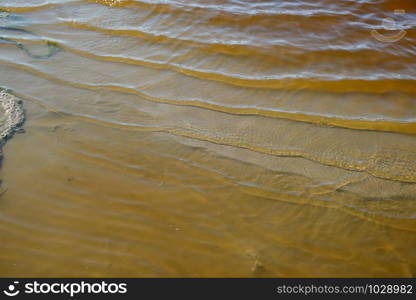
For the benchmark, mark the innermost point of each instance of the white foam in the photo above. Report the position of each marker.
(14, 116)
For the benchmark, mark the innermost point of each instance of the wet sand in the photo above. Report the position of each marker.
(193, 139)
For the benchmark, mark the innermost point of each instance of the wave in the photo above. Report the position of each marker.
(379, 156)
(362, 122)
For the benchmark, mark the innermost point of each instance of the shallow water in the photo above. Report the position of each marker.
(210, 138)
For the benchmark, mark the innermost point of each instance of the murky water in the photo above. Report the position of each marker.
(210, 138)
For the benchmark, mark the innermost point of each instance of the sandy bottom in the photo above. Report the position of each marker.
(69, 210)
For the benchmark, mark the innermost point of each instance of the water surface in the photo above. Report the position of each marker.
(210, 138)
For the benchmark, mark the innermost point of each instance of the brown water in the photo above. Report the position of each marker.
(210, 138)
